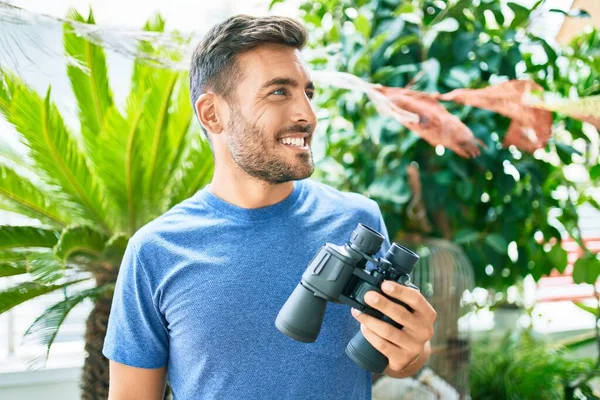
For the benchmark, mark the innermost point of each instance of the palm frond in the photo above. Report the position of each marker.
(45, 268)
(40, 335)
(194, 173)
(140, 67)
(25, 291)
(7, 88)
(115, 247)
(8, 154)
(79, 239)
(21, 254)
(10, 268)
(154, 141)
(12, 237)
(180, 131)
(25, 197)
(124, 164)
(89, 79)
(53, 148)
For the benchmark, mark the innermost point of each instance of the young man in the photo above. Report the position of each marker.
(200, 287)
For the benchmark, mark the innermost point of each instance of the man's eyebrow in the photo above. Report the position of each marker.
(286, 81)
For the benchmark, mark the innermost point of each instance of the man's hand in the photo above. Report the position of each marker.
(407, 349)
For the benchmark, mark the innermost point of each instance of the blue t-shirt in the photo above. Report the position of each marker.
(200, 287)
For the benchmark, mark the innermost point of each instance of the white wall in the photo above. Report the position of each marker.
(52, 384)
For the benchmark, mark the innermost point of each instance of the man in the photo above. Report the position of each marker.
(200, 287)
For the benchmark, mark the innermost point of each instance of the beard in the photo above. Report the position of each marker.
(262, 156)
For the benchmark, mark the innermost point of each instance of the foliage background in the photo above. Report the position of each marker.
(505, 198)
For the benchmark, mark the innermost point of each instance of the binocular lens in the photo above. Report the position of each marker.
(402, 259)
(302, 315)
(366, 239)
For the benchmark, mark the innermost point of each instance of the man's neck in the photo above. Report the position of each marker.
(245, 191)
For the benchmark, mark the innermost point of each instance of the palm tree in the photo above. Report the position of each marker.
(89, 192)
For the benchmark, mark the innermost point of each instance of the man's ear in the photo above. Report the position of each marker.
(207, 113)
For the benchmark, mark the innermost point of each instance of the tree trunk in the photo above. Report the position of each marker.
(95, 374)
(94, 377)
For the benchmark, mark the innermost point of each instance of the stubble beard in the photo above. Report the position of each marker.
(257, 154)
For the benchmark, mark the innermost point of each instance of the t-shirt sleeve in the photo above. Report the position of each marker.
(136, 334)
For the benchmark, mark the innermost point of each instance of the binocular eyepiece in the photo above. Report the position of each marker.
(338, 274)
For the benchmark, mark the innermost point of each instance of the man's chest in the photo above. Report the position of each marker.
(226, 304)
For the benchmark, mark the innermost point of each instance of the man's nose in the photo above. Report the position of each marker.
(303, 111)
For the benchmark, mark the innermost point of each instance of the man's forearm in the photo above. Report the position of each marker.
(411, 369)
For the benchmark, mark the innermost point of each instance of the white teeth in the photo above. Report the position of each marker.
(299, 142)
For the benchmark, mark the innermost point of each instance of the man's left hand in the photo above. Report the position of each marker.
(407, 349)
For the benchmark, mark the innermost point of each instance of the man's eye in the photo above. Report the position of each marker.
(283, 92)
(310, 95)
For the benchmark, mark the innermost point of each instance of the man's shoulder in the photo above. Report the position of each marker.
(175, 223)
(341, 199)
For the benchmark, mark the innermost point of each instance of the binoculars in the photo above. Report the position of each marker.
(338, 274)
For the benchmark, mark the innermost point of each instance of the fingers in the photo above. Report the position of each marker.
(387, 331)
(396, 312)
(419, 323)
(398, 357)
(411, 297)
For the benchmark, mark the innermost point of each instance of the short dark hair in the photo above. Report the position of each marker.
(214, 64)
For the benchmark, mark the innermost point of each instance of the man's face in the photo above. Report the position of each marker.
(271, 118)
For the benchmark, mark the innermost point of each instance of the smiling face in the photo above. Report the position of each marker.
(271, 120)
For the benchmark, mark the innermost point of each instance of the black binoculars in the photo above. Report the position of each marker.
(338, 274)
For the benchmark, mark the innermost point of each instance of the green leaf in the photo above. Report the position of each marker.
(26, 236)
(12, 268)
(592, 310)
(521, 14)
(595, 172)
(79, 239)
(45, 268)
(89, 80)
(390, 188)
(55, 152)
(558, 257)
(115, 247)
(193, 173)
(141, 69)
(273, 2)
(404, 8)
(565, 152)
(23, 292)
(363, 25)
(19, 255)
(396, 46)
(44, 329)
(155, 120)
(497, 242)
(10, 154)
(466, 235)
(125, 164)
(27, 198)
(586, 269)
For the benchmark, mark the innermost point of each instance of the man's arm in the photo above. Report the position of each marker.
(131, 383)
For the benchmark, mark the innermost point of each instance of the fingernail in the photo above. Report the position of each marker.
(388, 287)
(371, 298)
(355, 312)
